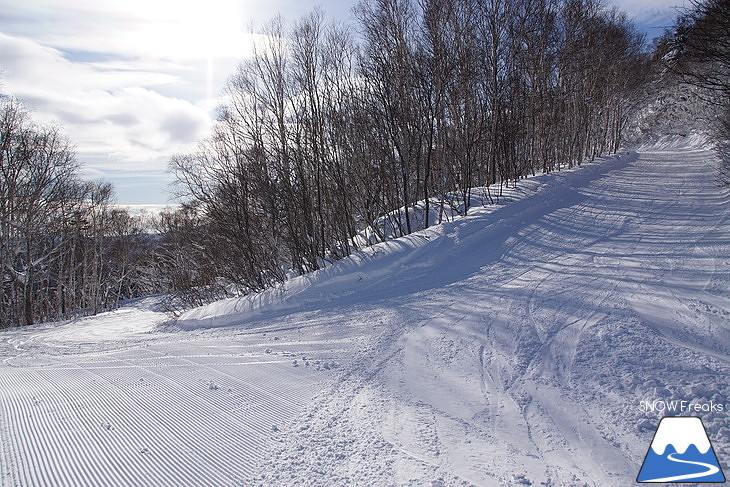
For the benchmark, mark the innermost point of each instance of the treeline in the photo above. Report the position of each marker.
(327, 130)
(65, 249)
(329, 127)
(697, 53)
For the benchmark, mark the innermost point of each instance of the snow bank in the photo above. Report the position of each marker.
(694, 141)
(450, 208)
(333, 283)
(368, 270)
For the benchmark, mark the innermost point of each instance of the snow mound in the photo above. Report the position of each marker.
(693, 141)
(373, 271)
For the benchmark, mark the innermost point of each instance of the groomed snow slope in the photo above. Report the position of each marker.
(512, 347)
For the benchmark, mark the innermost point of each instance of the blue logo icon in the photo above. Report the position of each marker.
(681, 452)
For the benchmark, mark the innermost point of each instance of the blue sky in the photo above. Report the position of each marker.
(134, 81)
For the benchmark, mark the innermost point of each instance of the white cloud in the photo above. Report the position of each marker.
(106, 108)
(131, 82)
(648, 11)
(141, 29)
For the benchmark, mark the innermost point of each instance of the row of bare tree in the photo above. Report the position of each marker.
(697, 52)
(326, 130)
(328, 127)
(65, 250)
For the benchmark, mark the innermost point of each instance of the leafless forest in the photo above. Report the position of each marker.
(329, 127)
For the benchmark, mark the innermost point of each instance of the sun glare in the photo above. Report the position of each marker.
(191, 29)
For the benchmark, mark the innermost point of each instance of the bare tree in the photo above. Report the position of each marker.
(698, 52)
(60, 237)
(37, 165)
(323, 136)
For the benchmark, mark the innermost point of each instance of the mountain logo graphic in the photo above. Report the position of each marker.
(681, 452)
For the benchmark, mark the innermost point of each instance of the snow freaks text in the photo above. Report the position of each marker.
(681, 406)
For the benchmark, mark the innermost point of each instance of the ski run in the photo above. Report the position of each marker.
(516, 346)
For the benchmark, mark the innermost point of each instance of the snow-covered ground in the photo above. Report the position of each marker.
(511, 347)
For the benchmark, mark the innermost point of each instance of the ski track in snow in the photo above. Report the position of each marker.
(163, 409)
(508, 348)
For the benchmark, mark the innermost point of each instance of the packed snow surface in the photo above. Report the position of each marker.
(516, 346)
